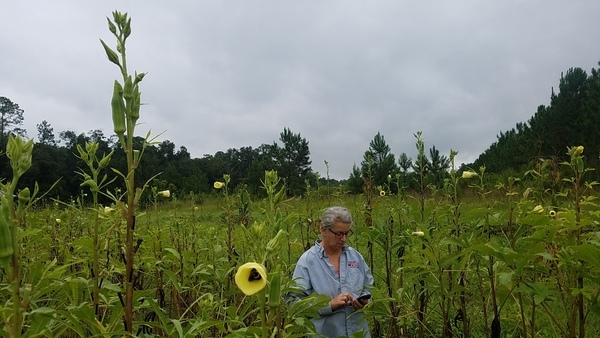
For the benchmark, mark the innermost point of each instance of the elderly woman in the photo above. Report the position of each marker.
(333, 268)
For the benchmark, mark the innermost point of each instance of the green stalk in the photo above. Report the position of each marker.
(96, 259)
(128, 101)
(14, 324)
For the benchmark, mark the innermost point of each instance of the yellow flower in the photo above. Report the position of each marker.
(196, 208)
(108, 210)
(218, 185)
(578, 150)
(165, 193)
(382, 193)
(552, 213)
(469, 174)
(418, 233)
(58, 220)
(251, 278)
(538, 209)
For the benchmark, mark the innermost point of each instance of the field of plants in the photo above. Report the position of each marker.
(516, 257)
(474, 259)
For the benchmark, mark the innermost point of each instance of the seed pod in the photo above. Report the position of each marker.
(112, 56)
(118, 110)
(128, 90)
(135, 109)
(275, 290)
(127, 28)
(6, 249)
(105, 160)
(111, 26)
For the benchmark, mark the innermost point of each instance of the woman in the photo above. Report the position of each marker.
(333, 268)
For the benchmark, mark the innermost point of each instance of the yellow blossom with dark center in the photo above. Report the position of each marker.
(218, 185)
(251, 278)
(165, 193)
(382, 193)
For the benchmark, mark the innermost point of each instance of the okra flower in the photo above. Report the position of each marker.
(218, 185)
(382, 193)
(552, 213)
(578, 150)
(418, 233)
(538, 209)
(165, 193)
(58, 220)
(469, 174)
(251, 278)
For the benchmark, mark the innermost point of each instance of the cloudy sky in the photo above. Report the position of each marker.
(229, 74)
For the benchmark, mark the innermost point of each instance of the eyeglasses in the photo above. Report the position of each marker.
(341, 234)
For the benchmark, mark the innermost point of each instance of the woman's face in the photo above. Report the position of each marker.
(337, 236)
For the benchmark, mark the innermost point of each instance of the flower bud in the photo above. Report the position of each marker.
(469, 174)
(111, 54)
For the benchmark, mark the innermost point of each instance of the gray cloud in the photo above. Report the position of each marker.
(224, 74)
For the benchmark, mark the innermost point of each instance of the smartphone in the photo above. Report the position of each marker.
(364, 297)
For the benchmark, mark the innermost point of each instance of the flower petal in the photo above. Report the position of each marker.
(251, 277)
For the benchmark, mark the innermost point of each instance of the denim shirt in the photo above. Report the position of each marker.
(314, 273)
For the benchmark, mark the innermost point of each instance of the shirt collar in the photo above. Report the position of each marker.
(321, 250)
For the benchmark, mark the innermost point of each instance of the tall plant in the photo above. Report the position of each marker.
(19, 153)
(125, 105)
(95, 183)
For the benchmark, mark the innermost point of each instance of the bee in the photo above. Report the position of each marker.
(254, 275)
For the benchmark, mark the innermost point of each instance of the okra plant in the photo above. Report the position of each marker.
(125, 105)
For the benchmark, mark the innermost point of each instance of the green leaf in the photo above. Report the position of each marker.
(505, 277)
(178, 326)
(588, 253)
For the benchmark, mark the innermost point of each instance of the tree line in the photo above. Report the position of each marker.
(55, 162)
(571, 118)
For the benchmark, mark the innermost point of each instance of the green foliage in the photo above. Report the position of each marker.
(378, 161)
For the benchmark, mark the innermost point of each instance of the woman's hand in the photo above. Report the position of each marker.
(343, 299)
(359, 303)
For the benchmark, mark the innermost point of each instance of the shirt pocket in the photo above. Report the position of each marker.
(355, 280)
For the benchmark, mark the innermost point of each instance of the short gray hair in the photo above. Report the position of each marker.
(335, 214)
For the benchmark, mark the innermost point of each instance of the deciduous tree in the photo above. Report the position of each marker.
(11, 118)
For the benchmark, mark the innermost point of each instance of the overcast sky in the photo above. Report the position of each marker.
(230, 74)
